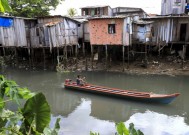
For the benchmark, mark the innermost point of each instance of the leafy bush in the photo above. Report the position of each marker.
(33, 118)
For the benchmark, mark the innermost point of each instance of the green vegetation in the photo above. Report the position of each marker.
(31, 8)
(122, 130)
(72, 12)
(4, 6)
(33, 118)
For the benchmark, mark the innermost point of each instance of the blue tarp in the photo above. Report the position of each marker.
(6, 22)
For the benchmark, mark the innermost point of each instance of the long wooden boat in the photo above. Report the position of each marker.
(126, 94)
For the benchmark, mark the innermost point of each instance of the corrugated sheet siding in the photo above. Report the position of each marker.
(86, 32)
(15, 35)
(170, 7)
(168, 30)
(64, 32)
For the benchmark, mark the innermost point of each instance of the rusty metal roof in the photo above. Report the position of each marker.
(52, 23)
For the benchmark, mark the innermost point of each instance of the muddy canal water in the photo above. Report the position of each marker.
(81, 113)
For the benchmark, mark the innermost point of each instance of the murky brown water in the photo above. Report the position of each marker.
(85, 112)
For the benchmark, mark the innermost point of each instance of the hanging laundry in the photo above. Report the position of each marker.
(187, 6)
(6, 22)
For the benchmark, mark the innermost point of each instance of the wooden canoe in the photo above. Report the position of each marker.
(126, 94)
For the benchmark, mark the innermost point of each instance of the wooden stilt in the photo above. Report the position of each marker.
(57, 57)
(128, 57)
(16, 56)
(66, 52)
(84, 55)
(159, 48)
(51, 52)
(76, 54)
(29, 57)
(72, 51)
(32, 57)
(58, 52)
(86, 63)
(184, 53)
(83, 49)
(4, 52)
(123, 58)
(106, 48)
(146, 63)
(66, 57)
(44, 63)
(92, 56)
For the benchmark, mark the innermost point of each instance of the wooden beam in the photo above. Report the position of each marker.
(123, 47)
(92, 56)
(106, 48)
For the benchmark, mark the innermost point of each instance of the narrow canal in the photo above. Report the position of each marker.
(84, 112)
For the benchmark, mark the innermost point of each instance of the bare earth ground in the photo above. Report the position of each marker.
(168, 65)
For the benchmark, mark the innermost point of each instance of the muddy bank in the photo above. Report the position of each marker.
(161, 66)
(168, 65)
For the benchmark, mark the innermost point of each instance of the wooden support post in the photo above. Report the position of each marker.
(57, 49)
(184, 53)
(92, 56)
(29, 56)
(57, 57)
(32, 57)
(86, 64)
(123, 58)
(66, 52)
(44, 63)
(106, 48)
(66, 57)
(83, 49)
(4, 51)
(146, 63)
(159, 48)
(76, 53)
(128, 57)
(84, 55)
(16, 56)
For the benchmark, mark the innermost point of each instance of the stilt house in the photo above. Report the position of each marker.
(15, 31)
(54, 31)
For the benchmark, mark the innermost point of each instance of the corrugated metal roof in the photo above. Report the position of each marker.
(165, 17)
(97, 6)
(25, 18)
(143, 22)
(133, 8)
(58, 16)
(107, 17)
(52, 23)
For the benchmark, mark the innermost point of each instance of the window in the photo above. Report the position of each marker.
(111, 28)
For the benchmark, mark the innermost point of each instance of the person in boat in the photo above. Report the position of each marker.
(80, 80)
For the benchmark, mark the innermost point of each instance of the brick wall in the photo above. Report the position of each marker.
(99, 32)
